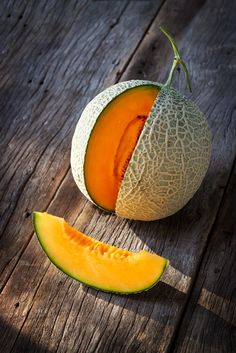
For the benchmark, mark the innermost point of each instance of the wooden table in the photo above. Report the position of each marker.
(55, 56)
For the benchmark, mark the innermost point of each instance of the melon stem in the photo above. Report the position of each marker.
(177, 61)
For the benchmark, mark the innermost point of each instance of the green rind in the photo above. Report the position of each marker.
(170, 150)
(169, 161)
(86, 124)
(39, 237)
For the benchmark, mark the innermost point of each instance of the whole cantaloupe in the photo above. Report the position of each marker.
(170, 154)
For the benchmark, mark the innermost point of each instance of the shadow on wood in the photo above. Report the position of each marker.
(193, 220)
(207, 337)
(180, 14)
(146, 304)
(25, 343)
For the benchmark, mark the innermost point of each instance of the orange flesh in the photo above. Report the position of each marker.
(95, 263)
(93, 245)
(113, 141)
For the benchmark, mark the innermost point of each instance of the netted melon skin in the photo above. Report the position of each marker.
(86, 123)
(169, 162)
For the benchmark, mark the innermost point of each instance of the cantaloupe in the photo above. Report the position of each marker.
(140, 148)
(94, 263)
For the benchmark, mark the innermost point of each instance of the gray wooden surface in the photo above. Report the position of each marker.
(54, 57)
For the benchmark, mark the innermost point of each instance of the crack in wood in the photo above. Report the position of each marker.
(172, 317)
(172, 347)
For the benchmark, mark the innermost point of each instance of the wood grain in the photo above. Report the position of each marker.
(209, 324)
(42, 309)
(39, 151)
(55, 79)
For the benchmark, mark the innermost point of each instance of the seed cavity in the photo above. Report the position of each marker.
(94, 246)
(127, 145)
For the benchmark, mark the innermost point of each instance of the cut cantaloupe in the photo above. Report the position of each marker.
(140, 148)
(112, 142)
(95, 263)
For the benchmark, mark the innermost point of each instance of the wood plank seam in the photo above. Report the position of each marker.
(32, 172)
(24, 185)
(209, 233)
(29, 310)
(104, 331)
(30, 175)
(81, 303)
(91, 59)
(27, 243)
(91, 338)
(141, 40)
(118, 324)
(86, 288)
(53, 57)
(117, 21)
(64, 326)
(33, 304)
(46, 315)
(94, 302)
(189, 295)
(58, 189)
(47, 206)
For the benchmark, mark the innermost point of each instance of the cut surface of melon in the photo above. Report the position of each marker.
(95, 263)
(112, 142)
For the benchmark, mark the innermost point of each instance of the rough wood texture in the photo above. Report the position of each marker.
(209, 323)
(42, 114)
(55, 56)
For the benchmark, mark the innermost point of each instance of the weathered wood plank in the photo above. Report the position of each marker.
(211, 60)
(210, 320)
(56, 313)
(41, 131)
(70, 77)
(35, 109)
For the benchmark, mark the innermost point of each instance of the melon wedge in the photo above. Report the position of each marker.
(94, 263)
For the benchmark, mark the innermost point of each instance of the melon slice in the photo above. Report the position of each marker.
(95, 263)
(112, 142)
